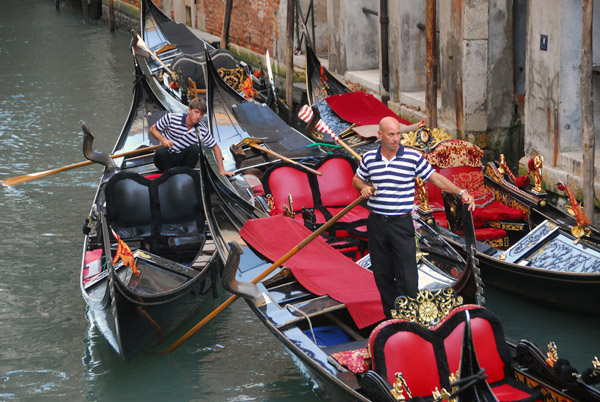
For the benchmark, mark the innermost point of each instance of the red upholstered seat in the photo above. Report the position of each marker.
(492, 352)
(335, 185)
(460, 162)
(286, 180)
(327, 194)
(485, 346)
(405, 347)
(427, 357)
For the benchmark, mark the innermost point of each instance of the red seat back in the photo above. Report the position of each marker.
(286, 180)
(406, 347)
(335, 185)
(485, 347)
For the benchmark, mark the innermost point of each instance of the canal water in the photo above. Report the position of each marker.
(55, 73)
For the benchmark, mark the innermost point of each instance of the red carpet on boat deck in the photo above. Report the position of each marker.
(317, 266)
(361, 108)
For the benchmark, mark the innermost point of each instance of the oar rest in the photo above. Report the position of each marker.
(321, 197)
(460, 162)
(165, 213)
(427, 357)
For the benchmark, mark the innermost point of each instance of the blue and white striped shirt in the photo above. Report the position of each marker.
(173, 127)
(394, 181)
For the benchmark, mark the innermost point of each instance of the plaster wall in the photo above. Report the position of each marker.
(407, 46)
(569, 110)
(542, 81)
(179, 11)
(321, 34)
(464, 33)
(354, 35)
(501, 60)
(336, 10)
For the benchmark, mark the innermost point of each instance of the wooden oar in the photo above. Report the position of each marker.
(140, 42)
(254, 143)
(266, 272)
(11, 181)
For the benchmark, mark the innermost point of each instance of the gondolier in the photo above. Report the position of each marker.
(386, 177)
(179, 133)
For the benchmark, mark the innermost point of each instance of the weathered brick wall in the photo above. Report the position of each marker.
(253, 22)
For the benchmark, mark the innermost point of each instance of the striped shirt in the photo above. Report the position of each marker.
(394, 181)
(173, 127)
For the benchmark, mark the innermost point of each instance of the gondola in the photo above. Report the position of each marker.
(183, 53)
(351, 115)
(526, 246)
(149, 260)
(252, 137)
(411, 356)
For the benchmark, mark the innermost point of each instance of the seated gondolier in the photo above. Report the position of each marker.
(386, 177)
(179, 133)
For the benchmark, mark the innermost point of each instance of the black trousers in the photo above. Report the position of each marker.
(393, 258)
(163, 159)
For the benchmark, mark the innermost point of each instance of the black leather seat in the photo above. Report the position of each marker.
(166, 213)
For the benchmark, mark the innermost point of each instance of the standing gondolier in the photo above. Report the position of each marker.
(386, 177)
(179, 133)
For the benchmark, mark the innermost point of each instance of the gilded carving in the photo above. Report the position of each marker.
(427, 309)
(423, 195)
(400, 387)
(538, 162)
(432, 137)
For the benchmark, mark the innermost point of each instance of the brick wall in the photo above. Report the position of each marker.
(253, 22)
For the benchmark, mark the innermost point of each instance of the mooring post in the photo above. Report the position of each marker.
(289, 59)
(86, 11)
(226, 23)
(431, 70)
(587, 108)
(111, 15)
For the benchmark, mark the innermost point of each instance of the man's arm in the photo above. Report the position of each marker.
(156, 134)
(446, 185)
(219, 158)
(364, 189)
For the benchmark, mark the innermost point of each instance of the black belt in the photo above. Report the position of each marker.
(388, 218)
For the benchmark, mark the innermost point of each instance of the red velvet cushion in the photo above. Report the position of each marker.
(507, 393)
(335, 184)
(497, 211)
(356, 213)
(440, 218)
(485, 346)
(482, 234)
(288, 180)
(454, 153)
(408, 353)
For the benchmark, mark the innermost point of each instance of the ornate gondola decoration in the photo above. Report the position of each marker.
(427, 309)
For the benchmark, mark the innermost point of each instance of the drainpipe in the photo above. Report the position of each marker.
(384, 20)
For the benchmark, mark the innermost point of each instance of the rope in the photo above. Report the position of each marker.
(307, 319)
